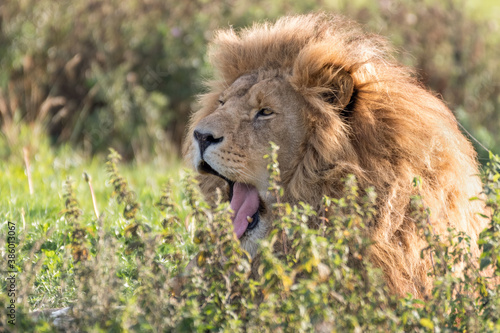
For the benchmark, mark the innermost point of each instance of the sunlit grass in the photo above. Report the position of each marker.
(117, 272)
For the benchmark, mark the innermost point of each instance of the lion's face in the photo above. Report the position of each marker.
(231, 140)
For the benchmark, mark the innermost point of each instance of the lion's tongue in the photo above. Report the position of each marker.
(245, 202)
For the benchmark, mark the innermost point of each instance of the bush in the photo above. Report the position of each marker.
(310, 279)
(453, 55)
(124, 73)
(103, 72)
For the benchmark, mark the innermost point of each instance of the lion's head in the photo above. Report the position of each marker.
(231, 141)
(335, 102)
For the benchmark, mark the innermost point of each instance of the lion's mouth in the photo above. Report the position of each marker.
(244, 201)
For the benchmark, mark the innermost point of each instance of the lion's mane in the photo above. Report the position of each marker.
(369, 117)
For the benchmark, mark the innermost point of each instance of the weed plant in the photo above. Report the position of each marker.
(118, 271)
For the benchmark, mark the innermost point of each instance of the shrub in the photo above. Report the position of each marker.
(123, 73)
(310, 279)
(104, 71)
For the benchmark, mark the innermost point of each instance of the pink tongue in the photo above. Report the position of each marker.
(245, 202)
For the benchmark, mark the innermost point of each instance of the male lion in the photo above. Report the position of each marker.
(336, 103)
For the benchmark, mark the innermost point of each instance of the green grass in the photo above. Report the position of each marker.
(118, 271)
(39, 216)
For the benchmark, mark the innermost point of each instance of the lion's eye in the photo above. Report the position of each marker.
(264, 112)
(221, 102)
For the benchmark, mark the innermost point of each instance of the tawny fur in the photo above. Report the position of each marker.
(379, 124)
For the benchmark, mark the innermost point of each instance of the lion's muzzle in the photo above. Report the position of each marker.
(205, 140)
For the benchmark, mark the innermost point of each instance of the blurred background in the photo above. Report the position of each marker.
(94, 74)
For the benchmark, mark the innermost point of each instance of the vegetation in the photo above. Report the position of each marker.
(109, 239)
(117, 269)
(124, 73)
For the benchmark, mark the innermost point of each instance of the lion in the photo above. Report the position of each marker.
(336, 103)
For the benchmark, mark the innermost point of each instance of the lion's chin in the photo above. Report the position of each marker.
(251, 238)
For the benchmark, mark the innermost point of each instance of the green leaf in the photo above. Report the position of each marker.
(496, 177)
(427, 323)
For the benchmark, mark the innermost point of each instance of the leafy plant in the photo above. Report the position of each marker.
(125, 73)
(313, 271)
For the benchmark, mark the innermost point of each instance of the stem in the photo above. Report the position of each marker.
(283, 234)
(323, 219)
(94, 203)
(28, 171)
(429, 240)
(23, 218)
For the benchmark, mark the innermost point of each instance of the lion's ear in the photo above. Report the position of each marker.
(340, 89)
(317, 73)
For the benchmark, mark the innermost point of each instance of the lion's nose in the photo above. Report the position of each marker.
(205, 140)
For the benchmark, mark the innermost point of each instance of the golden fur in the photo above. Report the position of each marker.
(351, 110)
